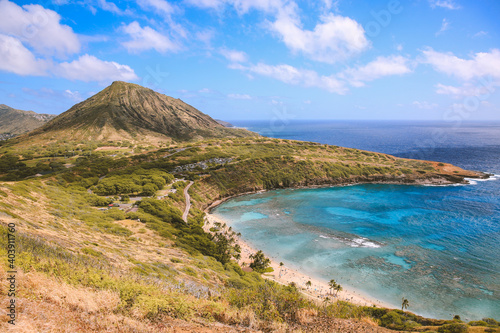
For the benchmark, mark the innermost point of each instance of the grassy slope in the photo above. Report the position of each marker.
(99, 269)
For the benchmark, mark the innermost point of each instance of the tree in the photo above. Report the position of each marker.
(405, 304)
(260, 262)
(308, 284)
(338, 288)
(149, 189)
(281, 267)
(332, 284)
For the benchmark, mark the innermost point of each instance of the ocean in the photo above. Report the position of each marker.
(437, 246)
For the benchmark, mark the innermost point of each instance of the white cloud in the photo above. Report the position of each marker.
(335, 83)
(73, 95)
(243, 6)
(147, 38)
(38, 27)
(448, 4)
(482, 64)
(239, 96)
(295, 76)
(212, 4)
(329, 4)
(166, 10)
(15, 58)
(161, 6)
(334, 38)
(445, 25)
(89, 68)
(111, 7)
(234, 56)
(467, 89)
(425, 105)
(205, 36)
(380, 67)
(480, 34)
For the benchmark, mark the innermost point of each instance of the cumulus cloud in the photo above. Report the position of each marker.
(89, 68)
(146, 38)
(380, 67)
(234, 56)
(16, 58)
(334, 38)
(336, 83)
(38, 27)
(481, 64)
(296, 76)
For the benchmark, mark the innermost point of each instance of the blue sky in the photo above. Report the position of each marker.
(260, 59)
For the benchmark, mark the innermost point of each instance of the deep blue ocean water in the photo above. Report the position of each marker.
(437, 246)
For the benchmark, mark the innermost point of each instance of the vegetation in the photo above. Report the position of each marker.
(260, 262)
(404, 304)
(189, 273)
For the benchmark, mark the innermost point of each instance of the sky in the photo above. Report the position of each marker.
(260, 59)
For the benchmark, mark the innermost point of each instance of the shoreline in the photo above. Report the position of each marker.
(319, 289)
(346, 182)
(285, 275)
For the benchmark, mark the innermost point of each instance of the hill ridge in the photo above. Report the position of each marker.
(127, 111)
(14, 121)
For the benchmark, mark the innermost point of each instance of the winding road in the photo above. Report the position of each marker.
(188, 202)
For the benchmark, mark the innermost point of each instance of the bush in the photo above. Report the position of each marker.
(116, 214)
(95, 200)
(491, 322)
(453, 328)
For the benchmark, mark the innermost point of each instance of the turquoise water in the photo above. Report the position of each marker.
(438, 246)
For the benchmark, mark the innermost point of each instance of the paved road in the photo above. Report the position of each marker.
(188, 202)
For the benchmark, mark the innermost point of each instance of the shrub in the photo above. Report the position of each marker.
(453, 328)
(491, 321)
(92, 252)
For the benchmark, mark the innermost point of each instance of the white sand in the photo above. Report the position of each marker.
(319, 288)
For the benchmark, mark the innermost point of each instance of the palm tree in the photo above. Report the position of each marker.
(405, 304)
(338, 288)
(326, 301)
(308, 284)
(332, 284)
(281, 267)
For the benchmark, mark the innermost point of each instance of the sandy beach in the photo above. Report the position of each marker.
(319, 288)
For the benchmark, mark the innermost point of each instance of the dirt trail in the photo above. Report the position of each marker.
(188, 202)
